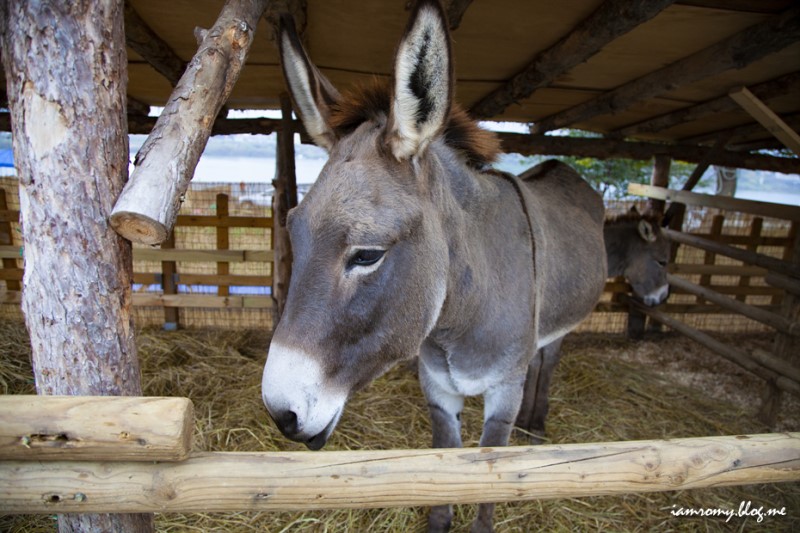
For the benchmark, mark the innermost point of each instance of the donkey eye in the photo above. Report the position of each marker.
(365, 257)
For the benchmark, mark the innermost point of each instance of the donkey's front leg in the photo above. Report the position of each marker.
(445, 408)
(500, 407)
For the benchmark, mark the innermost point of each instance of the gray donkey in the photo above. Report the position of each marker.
(635, 249)
(406, 247)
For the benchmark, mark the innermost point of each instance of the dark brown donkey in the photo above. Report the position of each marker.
(635, 249)
(405, 246)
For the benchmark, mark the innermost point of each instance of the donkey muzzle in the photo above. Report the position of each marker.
(303, 406)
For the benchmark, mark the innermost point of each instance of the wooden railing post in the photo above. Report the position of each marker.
(284, 198)
(169, 269)
(6, 238)
(755, 236)
(223, 243)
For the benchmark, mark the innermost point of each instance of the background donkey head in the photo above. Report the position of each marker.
(637, 250)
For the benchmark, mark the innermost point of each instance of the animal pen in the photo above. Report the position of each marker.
(708, 82)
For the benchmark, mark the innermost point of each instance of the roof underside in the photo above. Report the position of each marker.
(643, 72)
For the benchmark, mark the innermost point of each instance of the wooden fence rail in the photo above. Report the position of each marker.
(60, 482)
(174, 270)
(780, 370)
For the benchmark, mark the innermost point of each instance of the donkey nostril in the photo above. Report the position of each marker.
(287, 422)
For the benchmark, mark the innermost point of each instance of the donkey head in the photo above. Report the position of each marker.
(640, 252)
(370, 255)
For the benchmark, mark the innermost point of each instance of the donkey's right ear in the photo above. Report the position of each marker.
(313, 94)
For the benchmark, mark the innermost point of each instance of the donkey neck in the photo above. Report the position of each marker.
(617, 242)
(488, 237)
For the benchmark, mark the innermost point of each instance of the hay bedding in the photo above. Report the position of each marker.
(606, 388)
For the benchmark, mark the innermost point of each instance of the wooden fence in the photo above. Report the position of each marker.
(82, 466)
(210, 273)
(781, 368)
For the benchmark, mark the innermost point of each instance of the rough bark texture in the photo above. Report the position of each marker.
(611, 148)
(611, 20)
(66, 70)
(735, 52)
(283, 199)
(148, 206)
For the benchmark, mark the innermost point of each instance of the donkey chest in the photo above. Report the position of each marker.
(467, 372)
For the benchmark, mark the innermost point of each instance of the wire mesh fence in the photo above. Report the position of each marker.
(247, 305)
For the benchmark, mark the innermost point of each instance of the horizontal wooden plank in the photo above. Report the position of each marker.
(201, 300)
(10, 297)
(765, 209)
(10, 252)
(8, 215)
(752, 258)
(95, 428)
(672, 308)
(202, 256)
(240, 280)
(773, 320)
(717, 270)
(273, 481)
(223, 221)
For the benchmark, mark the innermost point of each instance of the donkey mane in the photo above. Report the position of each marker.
(634, 216)
(371, 101)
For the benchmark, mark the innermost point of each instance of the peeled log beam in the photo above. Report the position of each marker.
(751, 258)
(146, 210)
(732, 354)
(611, 148)
(612, 19)
(145, 42)
(96, 428)
(270, 481)
(787, 84)
(455, 12)
(735, 52)
(754, 313)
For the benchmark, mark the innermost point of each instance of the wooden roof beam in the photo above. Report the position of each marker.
(790, 83)
(612, 19)
(767, 118)
(298, 9)
(145, 42)
(455, 12)
(740, 132)
(604, 148)
(735, 52)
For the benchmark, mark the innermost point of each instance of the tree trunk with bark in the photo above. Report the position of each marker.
(66, 70)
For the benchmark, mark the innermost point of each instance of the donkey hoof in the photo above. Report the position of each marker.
(439, 520)
(481, 526)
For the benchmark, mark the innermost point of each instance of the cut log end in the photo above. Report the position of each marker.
(139, 228)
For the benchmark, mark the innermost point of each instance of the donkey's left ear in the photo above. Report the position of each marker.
(646, 231)
(423, 83)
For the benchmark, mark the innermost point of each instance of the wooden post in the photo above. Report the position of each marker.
(659, 178)
(6, 238)
(66, 91)
(709, 258)
(284, 198)
(752, 246)
(637, 321)
(169, 269)
(149, 204)
(786, 347)
(223, 242)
